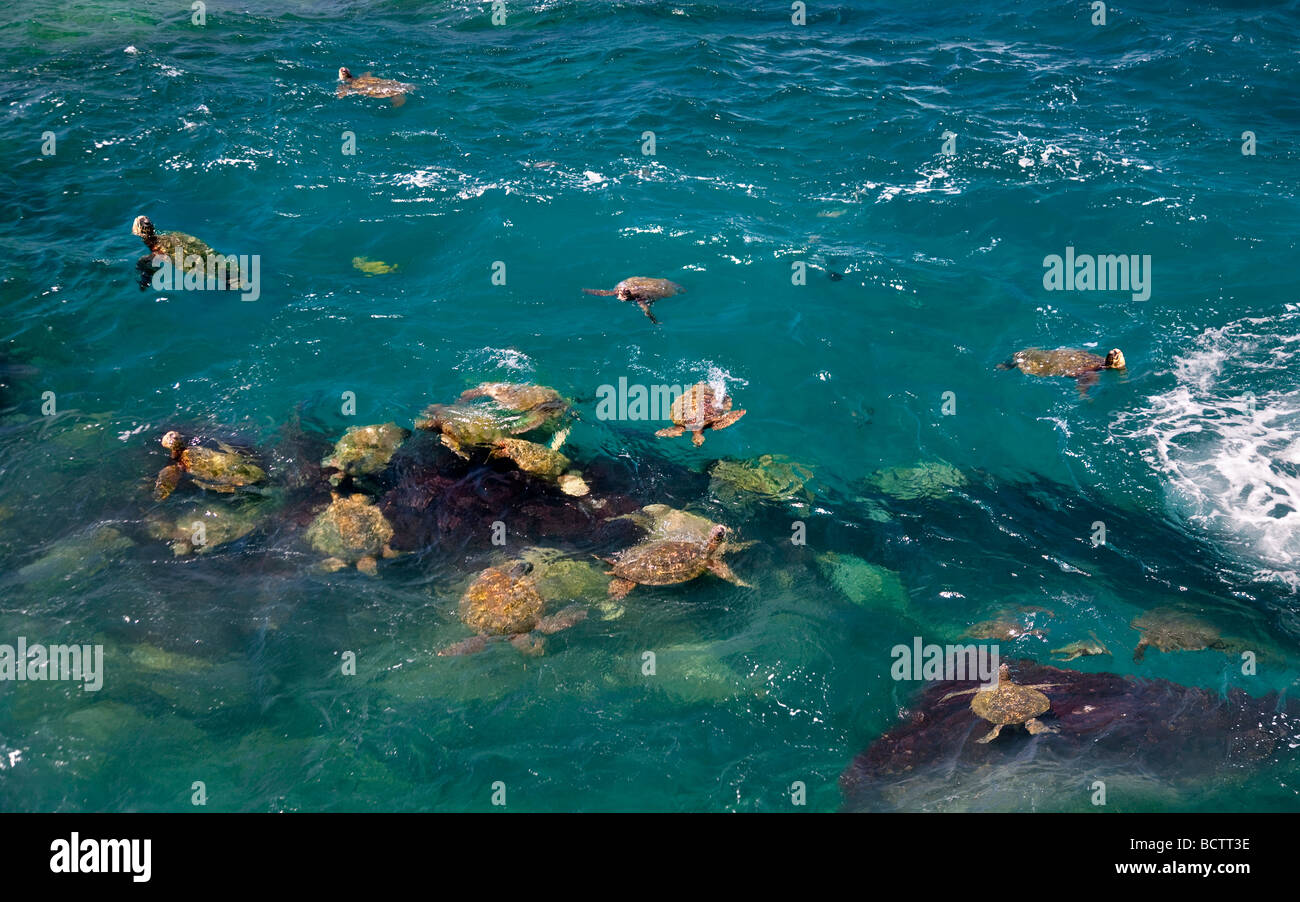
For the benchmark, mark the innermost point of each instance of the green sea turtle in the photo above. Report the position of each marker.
(539, 460)
(1007, 703)
(770, 477)
(166, 245)
(1170, 629)
(351, 530)
(1081, 649)
(504, 602)
(1079, 365)
(370, 86)
(698, 408)
(364, 450)
(210, 464)
(664, 563)
(642, 291)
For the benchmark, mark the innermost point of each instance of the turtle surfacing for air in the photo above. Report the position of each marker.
(504, 602)
(698, 408)
(641, 291)
(221, 468)
(1081, 366)
(170, 244)
(370, 86)
(664, 563)
(1006, 703)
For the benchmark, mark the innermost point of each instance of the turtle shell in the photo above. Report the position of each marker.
(1009, 703)
(221, 467)
(1060, 362)
(1169, 629)
(698, 406)
(532, 457)
(350, 528)
(502, 601)
(646, 289)
(662, 563)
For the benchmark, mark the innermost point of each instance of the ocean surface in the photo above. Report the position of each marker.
(522, 154)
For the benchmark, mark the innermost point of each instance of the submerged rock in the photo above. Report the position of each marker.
(931, 479)
(863, 583)
(1109, 728)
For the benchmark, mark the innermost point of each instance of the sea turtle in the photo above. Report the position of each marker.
(698, 408)
(928, 479)
(201, 528)
(473, 424)
(1081, 366)
(1002, 629)
(504, 601)
(351, 530)
(663, 563)
(364, 450)
(1006, 703)
(222, 468)
(536, 401)
(168, 245)
(540, 460)
(1082, 648)
(771, 477)
(370, 86)
(642, 291)
(1170, 629)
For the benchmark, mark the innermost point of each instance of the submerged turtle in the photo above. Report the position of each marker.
(504, 601)
(202, 528)
(364, 450)
(1003, 629)
(222, 468)
(1081, 366)
(351, 530)
(642, 291)
(928, 479)
(771, 477)
(518, 396)
(1170, 629)
(698, 408)
(1007, 703)
(540, 460)
(171, 244)
(470, 425)
(370, 86)
(664, 563)
(1081, 649)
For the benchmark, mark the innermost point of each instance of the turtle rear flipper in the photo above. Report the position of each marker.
(1141, 650)
(697, 437)
(645, 308)
(993, 734)
(528, 644)
(562, 620)
(168, 478)
(1036, 726)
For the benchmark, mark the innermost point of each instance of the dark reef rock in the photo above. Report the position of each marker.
(1111, 728)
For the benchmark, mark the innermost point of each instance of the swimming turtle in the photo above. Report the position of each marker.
(540, 460)
(1004, 629)
(928, 479)
(1081, 649)
(201, 528)
(642, 291)
(169, 244)
(1082, 366)
(370, 86)
(211, 464)
(1007, 703)
(504, 601)
(518, 396)
(1170, 629)
(364, 450)
(351, 530)
(770, 477)
(698, 408)
(468, 425)
(666, 562)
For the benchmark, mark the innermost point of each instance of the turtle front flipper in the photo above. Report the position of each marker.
(956, 694)
(1036, 726)
(645, 308)
(727, 419)
(993, 734)
(168, 478)
(1140, 652)
(562, 620)
(671, 432)
(1086, 381)
(697, 437)
(619, 587)
(720, 569)
(528, 644)
(468, 646)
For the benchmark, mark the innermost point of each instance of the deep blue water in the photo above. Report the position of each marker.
(775, 145)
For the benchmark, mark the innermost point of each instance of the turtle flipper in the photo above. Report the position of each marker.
(600, 292)
(528, 644)
(993, 734)
(956, 694)
(727, 419)
(1141, 650)
(619, 587)
(1086, 381)
(1036, 726)
(465, 647)
(697, 438)
(562, 620)
(671, 432)
(720, 569)
(645, 308)
(168, 478)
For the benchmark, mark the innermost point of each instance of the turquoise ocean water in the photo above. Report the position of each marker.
(775, 145)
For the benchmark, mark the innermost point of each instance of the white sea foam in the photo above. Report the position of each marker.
(1226, 441)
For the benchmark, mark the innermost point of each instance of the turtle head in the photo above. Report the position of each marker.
(716, 535)
(142, 227)
(520, 569)
(1004, 674)
(1115, 359)
(173, 442)
(344, 74)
